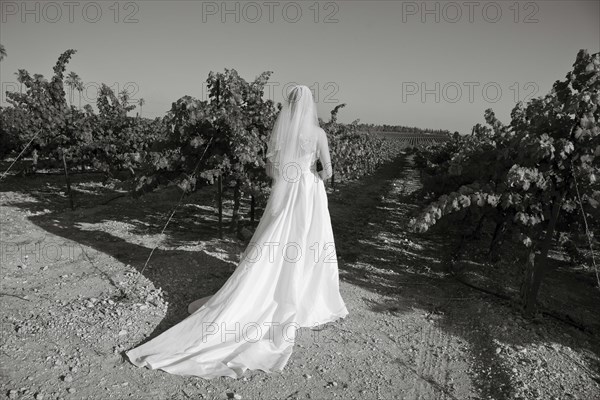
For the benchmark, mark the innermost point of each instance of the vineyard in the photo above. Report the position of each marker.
(431, 228)
(220, 141)
(533, 181)
(416, 140)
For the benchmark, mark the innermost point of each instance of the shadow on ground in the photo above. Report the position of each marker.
(377, 254)
(126, 230)
(370, 225)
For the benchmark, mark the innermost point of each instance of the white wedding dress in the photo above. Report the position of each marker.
(287, 279)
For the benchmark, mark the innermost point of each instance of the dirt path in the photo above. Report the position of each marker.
(76, 302)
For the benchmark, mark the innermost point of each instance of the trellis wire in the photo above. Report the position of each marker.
(172, 213)
(587, 229)
(20, 154)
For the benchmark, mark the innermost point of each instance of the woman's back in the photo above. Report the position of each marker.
(287, 278)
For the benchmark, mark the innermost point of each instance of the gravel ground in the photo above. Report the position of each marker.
(73, 300)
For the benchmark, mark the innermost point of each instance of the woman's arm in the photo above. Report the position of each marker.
(325, 157)
(269, 169)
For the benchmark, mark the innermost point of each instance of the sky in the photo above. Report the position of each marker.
(430, 64)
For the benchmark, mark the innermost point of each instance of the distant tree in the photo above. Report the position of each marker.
(124, 96)
(141, 103)
(73, 81)
(79, 88)
(21, 74)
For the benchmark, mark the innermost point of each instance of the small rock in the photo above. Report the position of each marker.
(71, 390)
(45, 267)
(307, 376)
(68, 378)
(123, 332)
(39, 396)
(245, 234)
(12, 394)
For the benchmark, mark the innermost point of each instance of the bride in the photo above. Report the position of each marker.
(287, 277)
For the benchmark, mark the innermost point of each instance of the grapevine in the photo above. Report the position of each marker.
(523, 174)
